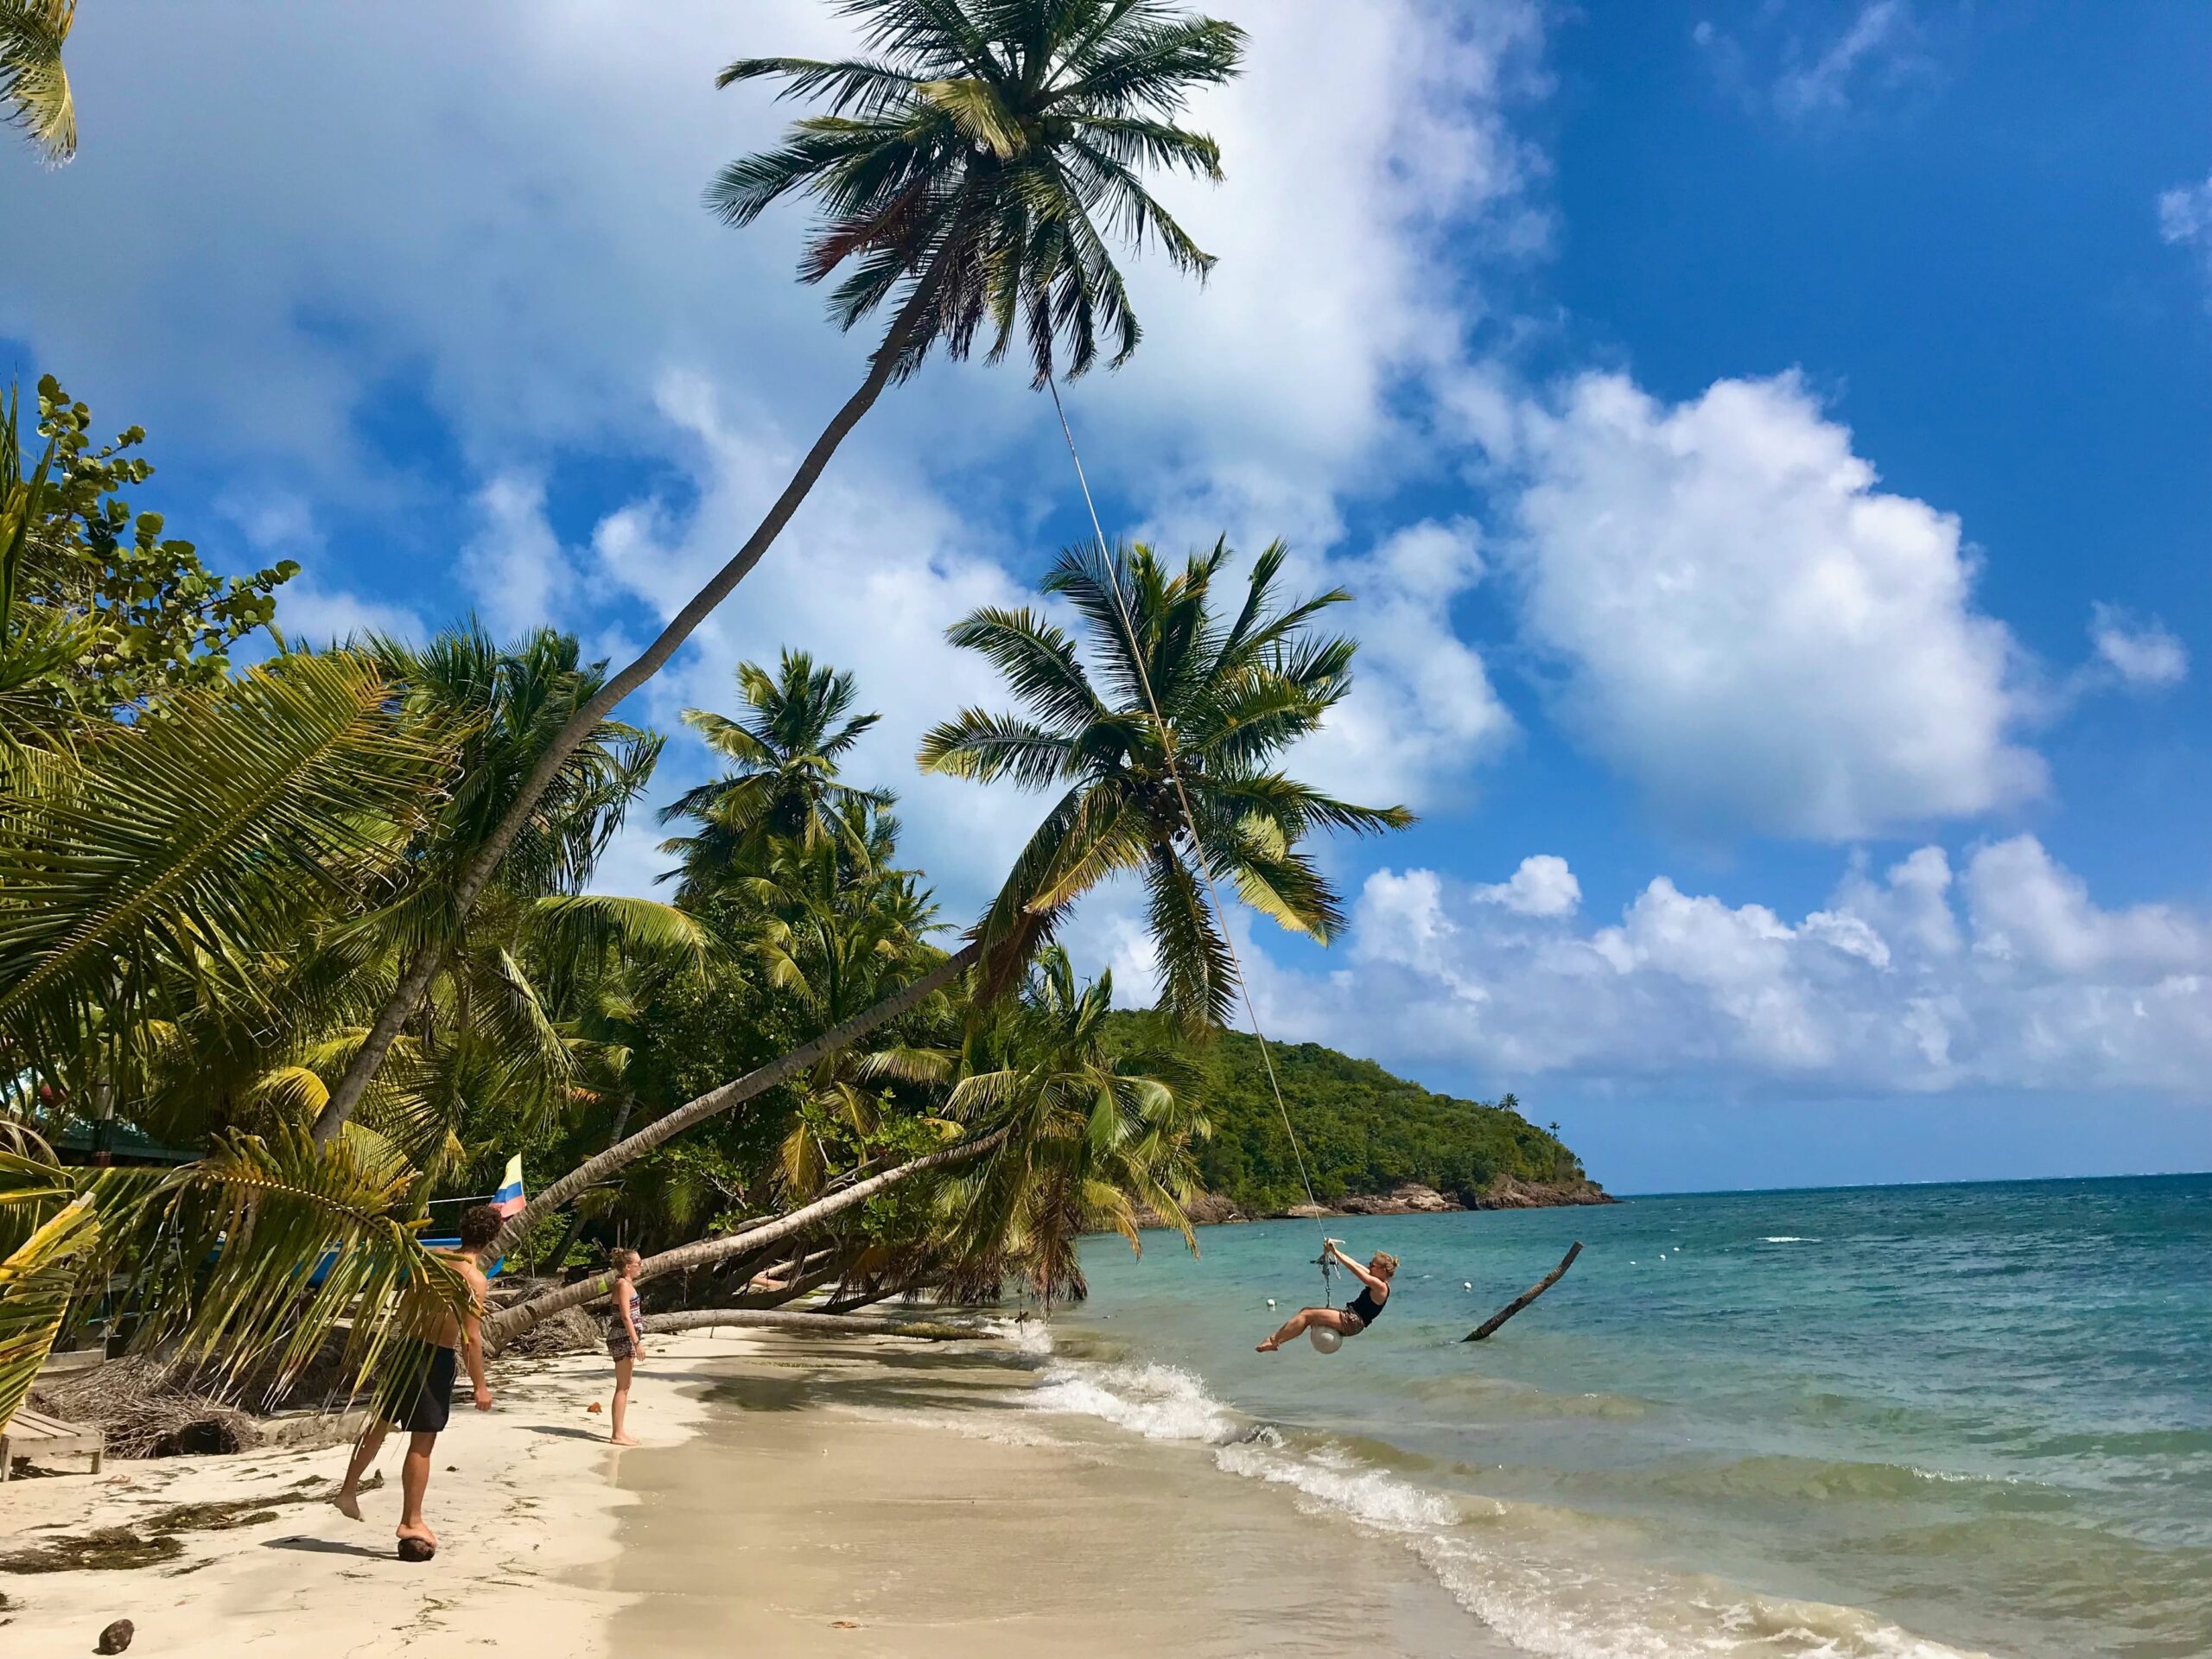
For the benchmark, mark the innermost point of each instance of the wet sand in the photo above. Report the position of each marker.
(874, 1499)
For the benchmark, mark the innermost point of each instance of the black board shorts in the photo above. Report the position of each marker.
(418, 1392)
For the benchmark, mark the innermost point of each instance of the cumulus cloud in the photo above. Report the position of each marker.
(1893, 986)
(2142, 651)
(512, 566)
(1751, 629)
(1543, 886)
(1422, 713)
(312, 615)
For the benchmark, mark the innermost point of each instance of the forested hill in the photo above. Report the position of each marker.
(1364, 1131)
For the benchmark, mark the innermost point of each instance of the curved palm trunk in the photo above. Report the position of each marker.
(559, 1259)
(593, 1171)
(477, 872)
(509, 1322)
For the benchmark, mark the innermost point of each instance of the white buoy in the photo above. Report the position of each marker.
(1466, 1284)
(1271, 1301)
(1326, 1337)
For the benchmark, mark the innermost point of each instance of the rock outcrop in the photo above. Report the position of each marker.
(1507, 1193)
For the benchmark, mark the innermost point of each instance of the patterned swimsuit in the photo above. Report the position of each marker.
(619, 1345)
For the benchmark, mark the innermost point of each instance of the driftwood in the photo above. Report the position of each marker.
(812, 1324)
(1526, 1297)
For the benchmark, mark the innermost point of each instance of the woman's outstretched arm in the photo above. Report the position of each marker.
(1372, 1280)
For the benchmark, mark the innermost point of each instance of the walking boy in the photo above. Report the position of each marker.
(419, 1396)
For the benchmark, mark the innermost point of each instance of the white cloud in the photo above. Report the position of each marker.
(1875, 42)
(512, 566)
(1886, 989)
(1771, 65)
(2142, 651)
(311, 614)
(2185, 221)
(1752, 630)
(2031, 913)
(1543, 886)
(1422, 713)
(522, 260)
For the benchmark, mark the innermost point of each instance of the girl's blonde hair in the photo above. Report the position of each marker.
(1385, 1263)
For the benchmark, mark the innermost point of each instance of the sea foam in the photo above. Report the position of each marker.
(1509, 1565)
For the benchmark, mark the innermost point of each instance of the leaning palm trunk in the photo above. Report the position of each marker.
(593, 1171)
(504, 1326)
(407, 995)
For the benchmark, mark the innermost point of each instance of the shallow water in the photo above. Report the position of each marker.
(1871, 1421)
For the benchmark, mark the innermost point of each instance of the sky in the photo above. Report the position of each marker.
(1769, 446)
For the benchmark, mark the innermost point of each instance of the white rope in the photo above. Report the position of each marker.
(1190, 822)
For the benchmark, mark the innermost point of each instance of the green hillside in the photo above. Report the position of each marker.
(1363, 1130)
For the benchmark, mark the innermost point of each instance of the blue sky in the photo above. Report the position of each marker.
(1768, 442)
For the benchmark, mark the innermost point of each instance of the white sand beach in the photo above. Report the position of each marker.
(891, 1498)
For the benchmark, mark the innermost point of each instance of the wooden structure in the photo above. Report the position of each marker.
(34, 1434)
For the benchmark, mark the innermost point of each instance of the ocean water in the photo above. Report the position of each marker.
(1879, 1422)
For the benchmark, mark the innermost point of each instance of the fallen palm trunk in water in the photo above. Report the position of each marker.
(1526, 1296)
(826, 1324)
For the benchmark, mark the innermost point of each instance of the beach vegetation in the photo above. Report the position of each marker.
(972, 174)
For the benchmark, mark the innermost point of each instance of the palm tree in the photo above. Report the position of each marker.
(1232, 692)
(973, 171)
(506, 709)
(783, 756)
(1096, 1138)
(33, 86)
(191, 848)
(832, 941)
(1181, 797)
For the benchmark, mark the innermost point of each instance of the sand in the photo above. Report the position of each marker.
(519, 1497)
(855, 1497)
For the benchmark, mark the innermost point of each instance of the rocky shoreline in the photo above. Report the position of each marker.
(1407, 1199)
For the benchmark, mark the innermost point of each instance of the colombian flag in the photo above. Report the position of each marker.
(508, 1200)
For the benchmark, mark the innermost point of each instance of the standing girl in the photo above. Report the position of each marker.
(625, 1337)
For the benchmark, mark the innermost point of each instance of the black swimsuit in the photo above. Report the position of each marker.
(1364, 1308)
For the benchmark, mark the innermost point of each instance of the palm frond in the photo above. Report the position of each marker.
(33, 84)
(37, 1282)
(195, 840)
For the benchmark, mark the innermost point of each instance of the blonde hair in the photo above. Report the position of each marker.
(623, 1258)
(1385, 1263)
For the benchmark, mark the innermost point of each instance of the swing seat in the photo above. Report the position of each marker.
(1324, 1338)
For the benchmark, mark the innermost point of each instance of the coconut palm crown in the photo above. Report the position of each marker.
(782, 784)
(33, 86)
(974, 166)
(1233, 693)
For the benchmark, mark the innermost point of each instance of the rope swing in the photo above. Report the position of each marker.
(1205, 872)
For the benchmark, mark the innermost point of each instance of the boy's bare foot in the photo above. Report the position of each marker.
(623, 1439)
(347, 1504)
(1267, 1347)
(421, 1533)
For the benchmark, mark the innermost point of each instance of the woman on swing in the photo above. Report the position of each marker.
(1374, 1291)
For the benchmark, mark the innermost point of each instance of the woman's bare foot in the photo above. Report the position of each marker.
(623, 1439)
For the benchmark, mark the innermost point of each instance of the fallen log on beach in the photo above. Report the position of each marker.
(814, 1325)
(1525, 1297)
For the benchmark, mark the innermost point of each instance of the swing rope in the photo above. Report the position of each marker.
(1190, 822)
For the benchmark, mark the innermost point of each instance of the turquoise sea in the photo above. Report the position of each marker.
(1874, 1421)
